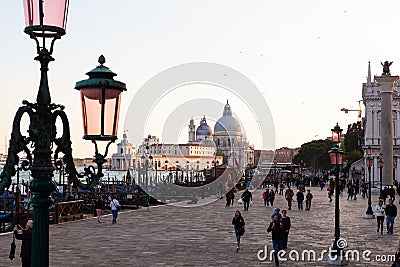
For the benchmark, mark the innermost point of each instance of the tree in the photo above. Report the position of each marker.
(353, 138)
(315, 154)
(353, 144)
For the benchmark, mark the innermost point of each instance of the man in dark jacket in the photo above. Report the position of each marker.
(391, 213)
(246, 197)
(26, 245)
(276, 227)
(300, 199)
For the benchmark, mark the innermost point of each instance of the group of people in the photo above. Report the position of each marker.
(99, 205)
(390, 210)
(279, 226)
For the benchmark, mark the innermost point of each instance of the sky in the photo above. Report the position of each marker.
(308, 59)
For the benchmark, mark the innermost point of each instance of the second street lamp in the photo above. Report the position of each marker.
(370, 160)
(336, 157)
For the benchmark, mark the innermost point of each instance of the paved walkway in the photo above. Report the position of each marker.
(204, 236)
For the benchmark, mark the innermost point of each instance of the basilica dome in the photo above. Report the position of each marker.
(227, 123)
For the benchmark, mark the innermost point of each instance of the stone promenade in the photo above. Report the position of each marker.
(204, 236)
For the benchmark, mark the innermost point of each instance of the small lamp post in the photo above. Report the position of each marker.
(370, 161)
(380, 164)
(336, 157)
(146, 165)
(187, 170)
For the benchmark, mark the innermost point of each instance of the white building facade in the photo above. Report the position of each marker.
(125, 157)
(372, 101)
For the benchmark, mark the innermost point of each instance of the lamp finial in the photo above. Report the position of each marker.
(102, 60)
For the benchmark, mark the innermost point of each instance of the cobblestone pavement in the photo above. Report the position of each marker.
(204, 236)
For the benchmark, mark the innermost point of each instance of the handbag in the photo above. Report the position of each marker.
(242, 231)
(240, 201)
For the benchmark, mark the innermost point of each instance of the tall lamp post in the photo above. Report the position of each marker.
(100, 96)
(336, 157)
(380, 164)
(370, 160)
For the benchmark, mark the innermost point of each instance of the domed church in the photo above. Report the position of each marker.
(228, 137)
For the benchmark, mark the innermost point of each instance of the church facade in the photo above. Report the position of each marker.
(228, 138)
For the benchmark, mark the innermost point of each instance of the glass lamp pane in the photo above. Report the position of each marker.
(91, 113)
(332, 156)
(54, 12)
(92, 100)
(339, 158)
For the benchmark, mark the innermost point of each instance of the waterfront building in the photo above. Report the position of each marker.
(125, 157)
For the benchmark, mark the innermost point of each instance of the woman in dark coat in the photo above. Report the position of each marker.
(239, 223)
(26, 245)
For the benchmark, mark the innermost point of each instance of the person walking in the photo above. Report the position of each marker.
(271, 197)
(300, 199)
(114, 204)
(276, 227)
(265, 197)
(239, 224)
(391, 213)
(309, 196)
(289, 197)
(99, 206)
(232, 196)
(330, 192)
(392, 193)
(379, 211)
(26, 246)
(286, 228)
(228, 199)
(281, 187)
(247, 197)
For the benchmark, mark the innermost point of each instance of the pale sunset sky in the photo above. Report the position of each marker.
(308, 58)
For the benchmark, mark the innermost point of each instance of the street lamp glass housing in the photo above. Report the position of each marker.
(336, 156)
(45, 18)
(370, 161)
(337, 134)
(100, 99)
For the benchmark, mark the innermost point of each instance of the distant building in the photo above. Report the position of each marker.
(194, 156)
(285, 154)
(125, 157)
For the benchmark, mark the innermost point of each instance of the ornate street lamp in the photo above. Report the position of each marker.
(380, 164)
(336, 157)
(370, 161)
(45, 23)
